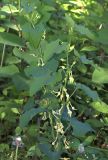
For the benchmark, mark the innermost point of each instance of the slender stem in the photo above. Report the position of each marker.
(100, 149)
(3, 55)
(51, 122)
(16, 153)
(14, 21)
(65, 130)
(19, 5)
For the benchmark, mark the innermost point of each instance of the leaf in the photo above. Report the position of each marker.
(84, 60)
(27, 56)
(12, 60)
(89, 48)
(9, 8)
(20, 83)
(11, 39)
(39, 71)
(28, 115)
(53, 79)
(90, 93)
(100, 75)
(36, 71)
(74, 144)
(69, 20)
(84, 31)
(37, 83)
(33, 35)
(88, 140)
(46, 149)
(15, 110)
(40, 76)
(2, 29)
(8, 71)
(82, 67)
(95, 123)
(100, 106)
(29, 104)
(103, 36)
(80, 129)
(52, 48)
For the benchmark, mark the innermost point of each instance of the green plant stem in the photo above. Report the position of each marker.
(3, 55)
(3, 52)
(100, 149)
(51, 122)
(16, 153)
(19, 5)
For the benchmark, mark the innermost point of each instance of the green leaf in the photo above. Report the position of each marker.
(28, 115)
(40, 76)
(84, 31)
(27, 56)
(37, 83)
(88, 140)
(100, 75)
(33, 35)
(8, 71)
(74, 144)
(90, 93)
(9, 8)
(82, 67)
(37, 71)
(30, 104)
(12, 60)
(80, 129)
(89, 48)
(95, 123)
(20, 83)
(100, 106)
(103, 36)
(2, 29)
(15, 110)
(84, 60)
(56, 77)
(51, 66)
(52, 48)
(46, 149)
(11, 39)
(70, 21)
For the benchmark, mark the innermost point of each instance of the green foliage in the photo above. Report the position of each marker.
(8, 71)
(11, 39)
(100, 75)
(53, 76)
(28, 115)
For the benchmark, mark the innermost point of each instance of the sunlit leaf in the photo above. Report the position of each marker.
(89, 48)
(15, 110)
(100, 75)
(100, 106)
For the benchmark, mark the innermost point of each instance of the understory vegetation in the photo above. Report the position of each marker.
(53, 80)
